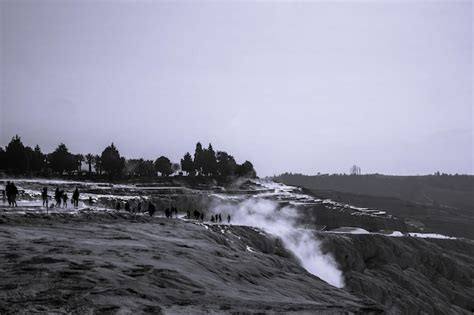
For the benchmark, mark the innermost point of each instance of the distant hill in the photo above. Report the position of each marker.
(444, 190)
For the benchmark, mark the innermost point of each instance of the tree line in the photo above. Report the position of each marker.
(18, 159)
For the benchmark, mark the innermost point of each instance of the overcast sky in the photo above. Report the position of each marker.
(303, 87)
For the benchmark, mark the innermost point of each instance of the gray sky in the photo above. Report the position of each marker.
(301, 87)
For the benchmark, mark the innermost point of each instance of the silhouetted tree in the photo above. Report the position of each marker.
(146, 168)
(61, 160)
(15, 156)
(198, 158)
(246, 170)
(79, 159)
(187, 164)
(98, 164)
(209, 165)
(3, 159)
(163, 165)
(89, 160)
(37, 160)
(111, 160)
(226, 164)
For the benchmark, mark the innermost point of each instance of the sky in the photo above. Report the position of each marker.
(301, 87)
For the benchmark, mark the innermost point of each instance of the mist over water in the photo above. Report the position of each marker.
(282, 222)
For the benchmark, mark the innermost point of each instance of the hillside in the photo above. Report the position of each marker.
(440, 204)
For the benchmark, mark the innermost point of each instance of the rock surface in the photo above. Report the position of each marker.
(115, 262)
(407, 275)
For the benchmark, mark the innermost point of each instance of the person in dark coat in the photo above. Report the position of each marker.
(65, 198)
(14, 193)
(151, 209)
(228, 219)
(44, 196)
(57, 197)
(75, 197)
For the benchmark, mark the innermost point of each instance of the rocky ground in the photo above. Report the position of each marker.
(118, 263)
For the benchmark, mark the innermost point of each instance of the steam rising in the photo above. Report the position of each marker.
(282, 222)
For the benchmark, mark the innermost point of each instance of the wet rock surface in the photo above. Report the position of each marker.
(110, 263)
(407, 275)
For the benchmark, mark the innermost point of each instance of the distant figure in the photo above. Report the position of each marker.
(75, 197)
(44, 196)
(64, 197)
(220, 218)
(228, 219)
(8, 192)
(168, 213)
(4, 195)
(14, 193)
(118, 206)
(91, 202)
(127, 206)
(57, 197)
(212, 218)
(188, 214)
(197, 214)
(202, 216)
(151, 209)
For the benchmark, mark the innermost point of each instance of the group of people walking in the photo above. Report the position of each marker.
(10, 193)
(60, 196)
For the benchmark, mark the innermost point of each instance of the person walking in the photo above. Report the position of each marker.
(75, 197)
(44, 196)
(14, 193)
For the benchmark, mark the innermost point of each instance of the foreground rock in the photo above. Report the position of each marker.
(114, 262)
(407, 275)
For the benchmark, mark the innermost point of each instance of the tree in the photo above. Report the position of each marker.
(98, 164)
(37, 160)
(226, 164)
(16, 156)
(163, 165)
(146, 168)
(209, 165)
(62, 160)
(355, 170)
(111, 160)
(198, 158)
(90, 161)
(3, 159)
(187, 164)
(246, 170)
(79, 159)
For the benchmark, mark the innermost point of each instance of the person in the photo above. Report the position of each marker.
(91, 202)
(220, 218)
(212, 218)
(8, 192)
(75, 197)
(64, 196)
(14, 193)
(57, 197)
(118, 206)
(127, 206)
(228, 219)
(4, 195)
(151, 209)
(202, 216)
(44, 195)
(188, 214)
